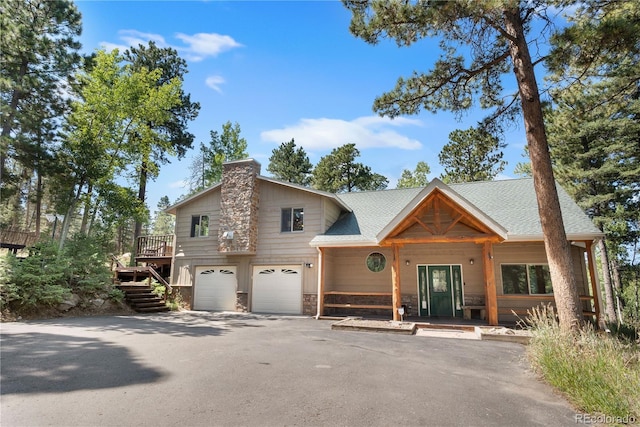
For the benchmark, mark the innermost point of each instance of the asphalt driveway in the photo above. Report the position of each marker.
(216, 369)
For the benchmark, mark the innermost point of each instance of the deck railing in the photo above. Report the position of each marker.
(154, 246)
(17, 238)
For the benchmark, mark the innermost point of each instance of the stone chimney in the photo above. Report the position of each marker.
(239, 207)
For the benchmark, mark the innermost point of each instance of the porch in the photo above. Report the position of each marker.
(404, 287)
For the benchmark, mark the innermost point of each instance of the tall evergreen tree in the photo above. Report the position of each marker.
(594, 124)
(472, 155)
(495, 36)
(109, 128)
(417, 178)
(338, 172)
(174, 130)
(39, 53)
(290, 164)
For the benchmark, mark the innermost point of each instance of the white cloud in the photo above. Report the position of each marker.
(214, 82)
(202, 45)
(179, 184)
(134, 38)
(198, 46)
(365, 132)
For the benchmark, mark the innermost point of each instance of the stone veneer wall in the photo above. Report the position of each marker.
(242, 302)
(310, 304)
(239, 206)
(411, 305)
(186, 294)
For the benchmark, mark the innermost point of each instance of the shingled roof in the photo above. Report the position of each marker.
(508, 207)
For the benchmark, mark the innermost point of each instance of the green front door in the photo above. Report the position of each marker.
(436, 294)
(440, 295)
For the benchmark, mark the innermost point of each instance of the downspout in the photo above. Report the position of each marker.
(320, 297)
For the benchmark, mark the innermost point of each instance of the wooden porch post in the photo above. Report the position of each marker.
(396, 295)
(594, 280)
(320, 283)
(491, 299)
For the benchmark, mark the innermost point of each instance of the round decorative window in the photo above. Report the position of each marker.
(376, 262)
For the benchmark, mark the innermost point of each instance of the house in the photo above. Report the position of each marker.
(253, 243)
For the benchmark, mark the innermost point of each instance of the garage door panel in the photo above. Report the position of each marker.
(277, 289)
(215, 288)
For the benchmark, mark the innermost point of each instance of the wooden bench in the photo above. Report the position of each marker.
(466, 311)
(357, 306)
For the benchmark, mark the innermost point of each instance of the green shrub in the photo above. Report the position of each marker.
(175, 301)
(116, 295)
(88, 268)
(48, 276)
(599, 373)
(39, 279)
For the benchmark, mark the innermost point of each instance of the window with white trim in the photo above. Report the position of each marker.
(200, 226)
(292, 219)
(526, 279)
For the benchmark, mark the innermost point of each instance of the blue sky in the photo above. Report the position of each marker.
(284, 70)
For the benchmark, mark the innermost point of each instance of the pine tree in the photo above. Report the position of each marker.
(472, 155)
(290, 164)
(172, 135)
(594, 124)
(417, 178)
(338, 172)
(38, 56)
(495, 37)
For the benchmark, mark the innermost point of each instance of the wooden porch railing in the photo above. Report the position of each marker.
(154, 246)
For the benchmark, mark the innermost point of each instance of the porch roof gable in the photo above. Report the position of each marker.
(463, 203)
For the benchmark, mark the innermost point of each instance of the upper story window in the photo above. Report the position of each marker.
(526, 279)
(292, 220)
(199, 225)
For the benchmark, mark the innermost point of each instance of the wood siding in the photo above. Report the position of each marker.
(347, 271)
(274, 247)
(208, 204)
(331, 213)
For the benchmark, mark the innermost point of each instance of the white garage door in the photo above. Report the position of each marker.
(277, 289)
(215, 288)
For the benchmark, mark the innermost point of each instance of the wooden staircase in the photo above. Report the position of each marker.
(142, 298)
(135, 282)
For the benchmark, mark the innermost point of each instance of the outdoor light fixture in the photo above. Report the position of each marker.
(309, 265)
(407, 262)
(471, 261)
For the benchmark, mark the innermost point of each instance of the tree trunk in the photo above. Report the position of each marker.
(557, 247)
(609, 310)
(142, 192)
(617, 286)
(87, 211)
(66, 222)
(38, 202)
